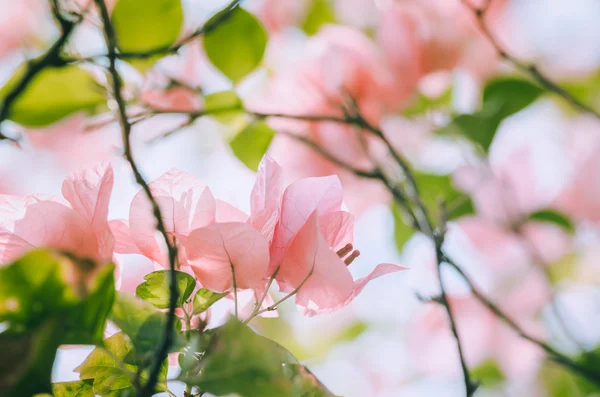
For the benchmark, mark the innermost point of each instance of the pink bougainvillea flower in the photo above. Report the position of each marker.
(422, 37)
(78, 225)
(339, 62)
(224, 255)
(185, 203)
(72, 145)
(310, 240)
(179, 99)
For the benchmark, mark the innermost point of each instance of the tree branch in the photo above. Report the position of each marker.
(530, 70)
(208, 26)
(162, 350)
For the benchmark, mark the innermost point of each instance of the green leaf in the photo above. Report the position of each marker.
(435, 187)
(224, 106)
(204, 299)
(553, 216)
(422, 104)
(501, 98)
(27, 359)
(156, 288)
(53, 94)
(46, 300)
(239, 361)
(78, 388)
(237, 45)
(251, 144)
(402, 231)
(320, 13)
(146, 25)
(106, 369)
(352, 332)
(564, 268)
(488, 374)
(560, 382)
(142, 323)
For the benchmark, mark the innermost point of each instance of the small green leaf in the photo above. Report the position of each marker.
(238, 361)
(352, 332)
(142, 323)
(78, 388)
(224, 106)
(560, 382)
(501, 98)
(53, 94)
(204, 299)
(488, 374)
(145, 25)
(422, 104)
(251, 144)
(236, 46)
(563, 269)
(555, 217)
(106, 369)
(435, 187)
(156, 288)
(320, 13)
(402, 231)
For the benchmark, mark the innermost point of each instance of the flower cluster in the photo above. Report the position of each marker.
(299, 236)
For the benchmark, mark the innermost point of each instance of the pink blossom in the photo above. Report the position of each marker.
(185, 203)
(78, 225)
(72, 144)
(421, 37)
(311, 228)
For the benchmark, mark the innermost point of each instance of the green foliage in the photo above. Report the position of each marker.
(53, 94)
(112, 368)
(251, 144)
(78, 388)
(46, 300)
(320, 13)
(432, 188)
(224, 106)
(204, 299)
(236, 46)
(488, 374)
(239, 361)
(422, 104)
(554, 217)
(146, 25)
(156, 288)
(501, 98)
(142, 323)
(560, 382)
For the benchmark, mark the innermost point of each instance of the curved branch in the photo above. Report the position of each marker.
(530, 70)
(163, 348)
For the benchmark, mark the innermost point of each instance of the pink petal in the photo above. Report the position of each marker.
(44, 224)
(302, 198)
(185, 203)
(215, 249)
(330, 283)
(226, 212)
(337, 228)
(124, 243)
(88, 192)
(265, 199)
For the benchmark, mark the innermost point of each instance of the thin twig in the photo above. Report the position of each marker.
(529, 69)
(163, 348)
(553, 353)
(263, 297)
